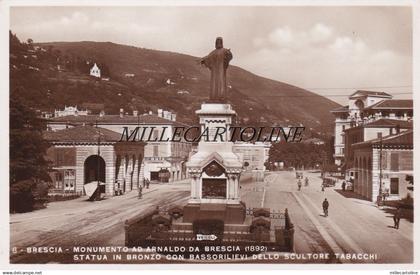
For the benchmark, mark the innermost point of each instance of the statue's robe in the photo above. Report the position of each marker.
(218, 61)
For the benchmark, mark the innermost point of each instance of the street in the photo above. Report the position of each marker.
(84, 223)
(353, 225)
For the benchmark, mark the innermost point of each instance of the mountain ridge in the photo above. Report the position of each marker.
(172, 81)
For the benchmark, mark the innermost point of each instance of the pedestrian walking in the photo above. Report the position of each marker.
(322, 187)
(306, 181)
(397, 217)
(147, 183)
(325, 205)
(144, 182)
(299, 183)
(140, 192)
(343, 185)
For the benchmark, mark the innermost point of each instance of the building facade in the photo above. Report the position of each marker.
(70, 111)
(366, 106)
(159, 156)
(95, 71)
(382, 165)
(369, 131)
(252, 155)
(85, 154)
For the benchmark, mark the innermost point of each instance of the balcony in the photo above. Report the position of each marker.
(168, 159)
(156, 159)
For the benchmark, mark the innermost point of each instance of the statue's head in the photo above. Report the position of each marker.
(219, 43)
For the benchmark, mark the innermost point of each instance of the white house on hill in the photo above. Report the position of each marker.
(95, 71)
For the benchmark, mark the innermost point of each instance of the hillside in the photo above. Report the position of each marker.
(161, 79)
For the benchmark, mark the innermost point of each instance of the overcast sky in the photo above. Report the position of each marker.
(329, 50)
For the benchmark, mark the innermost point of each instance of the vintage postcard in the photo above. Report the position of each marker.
(264, 134)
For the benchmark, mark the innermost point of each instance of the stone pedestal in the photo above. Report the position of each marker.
(215, 170)
(228, 213)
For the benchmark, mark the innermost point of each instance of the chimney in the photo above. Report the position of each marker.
(173, 117)
(101, 113)
(121, 112)
(166, 114)
(135, 113)
(160, 113)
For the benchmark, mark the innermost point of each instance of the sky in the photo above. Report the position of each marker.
(331, 51)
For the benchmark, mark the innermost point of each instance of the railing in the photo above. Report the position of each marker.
(274, 214)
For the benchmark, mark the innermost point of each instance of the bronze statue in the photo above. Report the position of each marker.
(218, 61)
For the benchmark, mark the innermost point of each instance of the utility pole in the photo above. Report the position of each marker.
(379, 199)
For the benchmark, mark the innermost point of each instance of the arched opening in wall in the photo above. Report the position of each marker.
(360, 106)
(94, 167)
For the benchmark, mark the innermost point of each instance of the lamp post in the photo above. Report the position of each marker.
(98, 168)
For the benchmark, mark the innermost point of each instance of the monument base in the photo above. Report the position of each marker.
(228, 213)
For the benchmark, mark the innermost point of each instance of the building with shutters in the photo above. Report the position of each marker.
(381, 165)
(365, 107)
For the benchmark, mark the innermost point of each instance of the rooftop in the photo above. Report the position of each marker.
(341, 109)
(115, 119)
(359, 93)
(384, 123)
(392, 104)
(402, 139)
(82, 134)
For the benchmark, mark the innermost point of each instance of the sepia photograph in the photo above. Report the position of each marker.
(265, 135)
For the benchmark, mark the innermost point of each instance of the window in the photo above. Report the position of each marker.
(58, 180)
(69, 180)
(155, 134)
(394, 186)
(394, 162)
(155, 150)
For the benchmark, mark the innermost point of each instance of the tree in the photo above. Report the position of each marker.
(410, 180)
(28, 167)
(299, 154)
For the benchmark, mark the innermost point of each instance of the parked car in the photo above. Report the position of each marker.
(328, 182)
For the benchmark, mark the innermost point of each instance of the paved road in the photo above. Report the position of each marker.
(83, 223)
(353, 225)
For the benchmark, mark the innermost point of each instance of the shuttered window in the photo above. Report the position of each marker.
(394, 186)
(394, 162)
